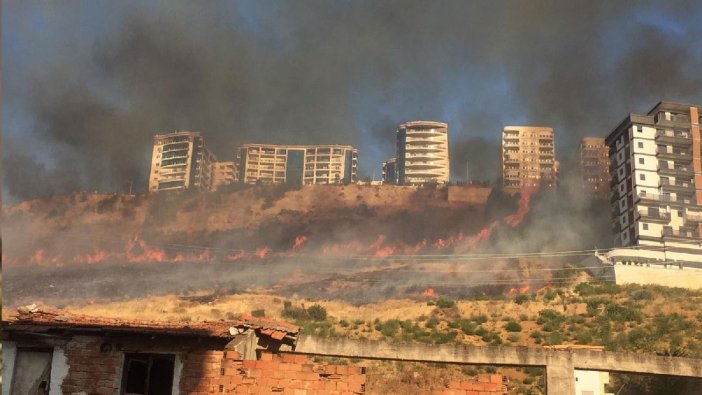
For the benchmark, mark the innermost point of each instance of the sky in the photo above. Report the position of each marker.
(86, 84)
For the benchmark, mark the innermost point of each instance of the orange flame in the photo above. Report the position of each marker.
(429, 292)
(525, 197)
(37, 257)
(299, 242)
(236, 256)
(262, 252)
(90, 259)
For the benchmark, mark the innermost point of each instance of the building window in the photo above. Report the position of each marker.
(640, 145)
(641, 161)
(645, 226)
(642, 177)
(148, 374)
(32, 372)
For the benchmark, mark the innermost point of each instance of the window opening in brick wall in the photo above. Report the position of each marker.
(148, 374)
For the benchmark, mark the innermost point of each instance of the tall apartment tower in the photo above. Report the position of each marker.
(657, 179)
(180, 160)
(390, 171)
(297, 164)
(528, 157)
(594, 167)
(422, 153)
(223, 173)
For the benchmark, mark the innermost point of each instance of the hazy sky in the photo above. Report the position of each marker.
(88, 83)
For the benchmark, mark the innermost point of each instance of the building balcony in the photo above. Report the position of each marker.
(682, 186)
(681, 234)
(676, 171)
(679, 155)
(693, 217)
(662, 216)
(674, 137)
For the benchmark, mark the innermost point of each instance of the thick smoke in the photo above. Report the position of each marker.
(88, 84)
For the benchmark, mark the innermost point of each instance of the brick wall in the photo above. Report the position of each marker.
(485, 384)
(288, 374)
(90, 370)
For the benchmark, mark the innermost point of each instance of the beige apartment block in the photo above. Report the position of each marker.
(594, 167)
(223, 173)
(180, 160)
(422, 153)
(656, 173)
(528, 157)
(297, 164)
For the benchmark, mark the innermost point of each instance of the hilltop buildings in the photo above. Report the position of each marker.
(528, 157)
(656, 175)
(223, 173)
(422, 153)
(180, 160)
(594, 167)
(297, 164)
(390, 171)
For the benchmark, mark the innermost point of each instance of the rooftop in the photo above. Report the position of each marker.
(31, 318)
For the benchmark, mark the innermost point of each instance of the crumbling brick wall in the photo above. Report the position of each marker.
(91, 370)
(288, 374)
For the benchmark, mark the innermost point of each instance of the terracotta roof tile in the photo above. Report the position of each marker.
(47, 319)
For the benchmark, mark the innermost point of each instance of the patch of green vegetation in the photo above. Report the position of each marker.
(314, 312)
(259, 313)
(513, 326)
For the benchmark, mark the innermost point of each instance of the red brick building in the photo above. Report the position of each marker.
(52, 352)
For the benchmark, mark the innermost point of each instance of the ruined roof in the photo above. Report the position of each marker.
(31, 318)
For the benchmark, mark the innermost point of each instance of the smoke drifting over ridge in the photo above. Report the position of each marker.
(88, 84)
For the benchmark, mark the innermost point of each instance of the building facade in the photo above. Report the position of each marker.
(180, 160)
(657, 179)
(528, 157)
(223, 173)
(422, 153)
(297, 164)
(390, 171)
(594, 167)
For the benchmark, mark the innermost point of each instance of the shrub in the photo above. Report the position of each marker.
(555, 338)
(445, 303)
(521, 299)
(513, 337)
(259, 313)
(550, 320)
(642, 294)
(619, 313)
(317, 312)
(597, 288)
(479, 319)
(432, 322)
(513, 326)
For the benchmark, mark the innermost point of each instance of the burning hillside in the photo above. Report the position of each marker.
(357, 239)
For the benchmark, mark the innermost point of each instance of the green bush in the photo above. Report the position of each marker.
(317, 312)
(513, 326)
(642, 294)
(445, 303)
(521, 299)
(550, 320)
(314, 312)
(555, 338)
(479, 319)
(597, 288)
(259, 313)
(619, 313)
(432, 322)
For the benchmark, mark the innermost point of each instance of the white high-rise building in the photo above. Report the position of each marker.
(656, 174)
(422, 153)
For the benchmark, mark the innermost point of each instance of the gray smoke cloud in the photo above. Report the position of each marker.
(87, 84)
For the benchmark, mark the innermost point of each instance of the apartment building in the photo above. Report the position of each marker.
(657, 179)
(422, 153)
(390, 171)
(297, 164)
(594, 167)
(180, 160)
(223, 173)
(528, 157)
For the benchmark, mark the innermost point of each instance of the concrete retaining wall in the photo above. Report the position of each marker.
(672, 276)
